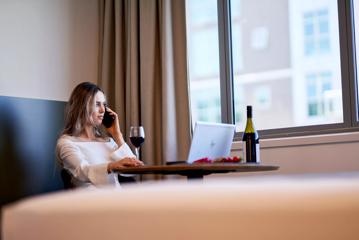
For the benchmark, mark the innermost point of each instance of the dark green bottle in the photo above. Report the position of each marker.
(250, 140)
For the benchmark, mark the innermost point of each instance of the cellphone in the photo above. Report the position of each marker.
(107, 120)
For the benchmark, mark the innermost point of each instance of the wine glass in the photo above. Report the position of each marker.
(137, 137)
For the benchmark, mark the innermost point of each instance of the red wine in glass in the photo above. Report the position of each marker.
(137, 138)
(137, 141)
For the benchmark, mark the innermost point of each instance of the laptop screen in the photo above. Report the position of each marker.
(211, 140)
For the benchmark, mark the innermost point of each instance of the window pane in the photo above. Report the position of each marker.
(203, 60)
(286, 62)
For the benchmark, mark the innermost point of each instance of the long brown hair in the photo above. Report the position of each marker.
(79, 109)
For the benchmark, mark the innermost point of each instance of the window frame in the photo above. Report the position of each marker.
(348, 76)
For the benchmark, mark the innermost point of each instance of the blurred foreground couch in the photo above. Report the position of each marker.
(271, 207)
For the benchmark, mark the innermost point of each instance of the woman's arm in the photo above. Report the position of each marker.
(123, 157)
(72, 159)
(125, 162)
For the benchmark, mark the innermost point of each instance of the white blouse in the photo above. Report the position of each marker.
(87, 160)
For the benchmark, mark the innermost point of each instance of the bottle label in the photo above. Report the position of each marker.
(251, 150)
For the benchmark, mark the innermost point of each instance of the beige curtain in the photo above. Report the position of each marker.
(144, 74)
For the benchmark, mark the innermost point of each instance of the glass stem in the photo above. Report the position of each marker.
(137, 153)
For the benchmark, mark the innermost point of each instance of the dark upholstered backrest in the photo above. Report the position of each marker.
(29, 130)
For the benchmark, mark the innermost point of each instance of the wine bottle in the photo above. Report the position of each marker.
(250, 140)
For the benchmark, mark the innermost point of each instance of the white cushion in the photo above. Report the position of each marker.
(313, 207)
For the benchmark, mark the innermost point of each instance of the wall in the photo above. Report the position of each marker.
(46, 48)
(314, 154)
(309, 154)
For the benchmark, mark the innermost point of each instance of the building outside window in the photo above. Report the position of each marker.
(316, 32)
(322, 99)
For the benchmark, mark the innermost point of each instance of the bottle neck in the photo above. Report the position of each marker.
(249, 126)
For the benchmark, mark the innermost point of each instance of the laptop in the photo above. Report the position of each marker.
(210, 140)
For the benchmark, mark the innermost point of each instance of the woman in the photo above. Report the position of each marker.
(88, 151)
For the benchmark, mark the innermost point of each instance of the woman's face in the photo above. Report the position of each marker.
(99, 109)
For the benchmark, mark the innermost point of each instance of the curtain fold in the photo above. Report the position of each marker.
(143, 70)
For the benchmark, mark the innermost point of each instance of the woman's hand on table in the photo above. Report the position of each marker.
(125, 162)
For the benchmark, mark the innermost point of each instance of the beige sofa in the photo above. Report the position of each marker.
(272, 207)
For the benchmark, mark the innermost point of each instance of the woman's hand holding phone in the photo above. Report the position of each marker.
(110, 121)
(107, 120)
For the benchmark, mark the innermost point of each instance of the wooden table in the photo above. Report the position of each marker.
(197, 171)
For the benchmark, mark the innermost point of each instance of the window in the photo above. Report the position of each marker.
(284, 59)
(202, 26)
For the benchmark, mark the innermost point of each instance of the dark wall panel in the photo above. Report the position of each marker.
(28, 133)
